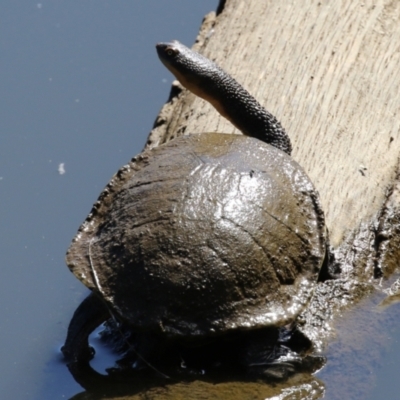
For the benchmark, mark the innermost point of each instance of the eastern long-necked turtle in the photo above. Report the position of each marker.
(205, 235)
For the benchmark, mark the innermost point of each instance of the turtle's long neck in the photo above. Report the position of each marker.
(208, 81)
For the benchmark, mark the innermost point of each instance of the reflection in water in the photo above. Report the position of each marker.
(299, 387)
(355, 362)
(358, 356)
(151, 361)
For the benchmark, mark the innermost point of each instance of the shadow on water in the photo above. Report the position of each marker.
(300, 388)
(363, 359)
(149, 384)
(359, 362)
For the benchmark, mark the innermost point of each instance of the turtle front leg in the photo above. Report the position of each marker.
(88, 316)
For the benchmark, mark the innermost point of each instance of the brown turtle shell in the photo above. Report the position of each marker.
(202, 235)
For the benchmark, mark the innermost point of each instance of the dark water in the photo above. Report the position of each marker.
(81, 85)
(363, 360)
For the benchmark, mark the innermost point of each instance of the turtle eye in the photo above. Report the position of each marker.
(171, 52)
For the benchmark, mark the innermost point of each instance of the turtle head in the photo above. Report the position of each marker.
(194, 71)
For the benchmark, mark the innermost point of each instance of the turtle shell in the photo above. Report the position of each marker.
(202, 235)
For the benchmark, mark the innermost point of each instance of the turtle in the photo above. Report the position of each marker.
(209, 236)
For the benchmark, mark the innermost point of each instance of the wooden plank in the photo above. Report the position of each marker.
(330, 72)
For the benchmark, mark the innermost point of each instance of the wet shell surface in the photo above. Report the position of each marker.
(202, 235)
